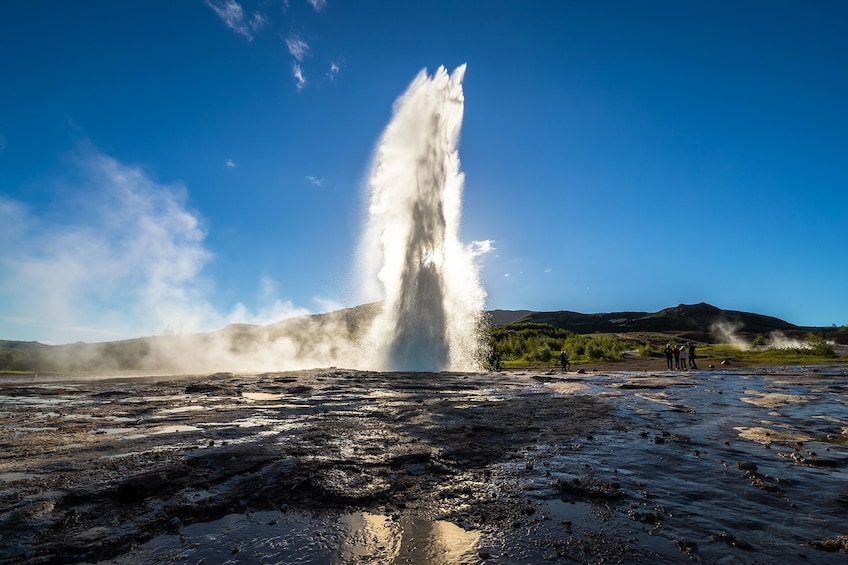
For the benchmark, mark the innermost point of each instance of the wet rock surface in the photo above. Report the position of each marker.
(355, 467)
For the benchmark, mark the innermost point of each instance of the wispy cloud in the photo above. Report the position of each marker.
(298, 48)
(230, 164)
(258, 21)
(233, 15)
(297, 73)
(318, 5)
(334, 70)
(126, 259)
(314, 181)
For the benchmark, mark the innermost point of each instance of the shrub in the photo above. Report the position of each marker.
(819, 346)
(645, 350)
(535, 344)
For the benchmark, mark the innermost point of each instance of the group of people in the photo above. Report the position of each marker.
(683, 356)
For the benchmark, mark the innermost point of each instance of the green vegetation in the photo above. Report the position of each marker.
(540, 344)
(648, 350)
(816, 345)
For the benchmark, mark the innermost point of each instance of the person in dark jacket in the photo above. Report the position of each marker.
(691, 347)
(563, 358)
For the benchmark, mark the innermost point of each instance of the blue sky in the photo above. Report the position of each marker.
(177, 166)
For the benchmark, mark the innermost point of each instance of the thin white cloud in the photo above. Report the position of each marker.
(481, 247)
(297, 73)
(297, 47)
(334, 70)
(258, 21)
(318, 5)
(314, 181)
(232, 14)
(126, 259)
(230, 164)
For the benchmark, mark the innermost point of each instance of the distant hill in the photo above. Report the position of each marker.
(694, 318)
(502, 317)
(7, 344)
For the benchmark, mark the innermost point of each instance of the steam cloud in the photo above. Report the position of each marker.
(119, 255)
(728, 332)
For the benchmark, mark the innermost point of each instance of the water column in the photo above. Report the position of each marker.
(412, 259)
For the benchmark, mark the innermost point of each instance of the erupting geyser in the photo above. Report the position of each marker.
(432, 300)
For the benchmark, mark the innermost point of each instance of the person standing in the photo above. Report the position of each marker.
(683, 355)
(676, 352)
(668, 354)
(691, 347)
(563, 358)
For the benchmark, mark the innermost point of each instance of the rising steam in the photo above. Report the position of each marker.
(728, 332)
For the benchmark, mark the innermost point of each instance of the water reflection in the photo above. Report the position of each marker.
(311, 539)
(378, 538)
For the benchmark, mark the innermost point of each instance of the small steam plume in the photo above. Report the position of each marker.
(728, 332)
(778, 340)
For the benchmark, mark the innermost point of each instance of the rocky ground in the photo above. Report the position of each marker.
(360, 467)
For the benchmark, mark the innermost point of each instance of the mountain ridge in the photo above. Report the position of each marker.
(701, 317)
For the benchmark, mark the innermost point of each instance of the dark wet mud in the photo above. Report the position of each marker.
(341, 466)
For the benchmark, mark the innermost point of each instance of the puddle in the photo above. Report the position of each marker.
(13, 476)
(570, 514)
(37, 400)
(178, 428)
(183, 409)
(299, 538)
(261, 396)
(408, 540)
(112, 431)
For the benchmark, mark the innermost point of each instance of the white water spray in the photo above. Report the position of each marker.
(432, 300)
